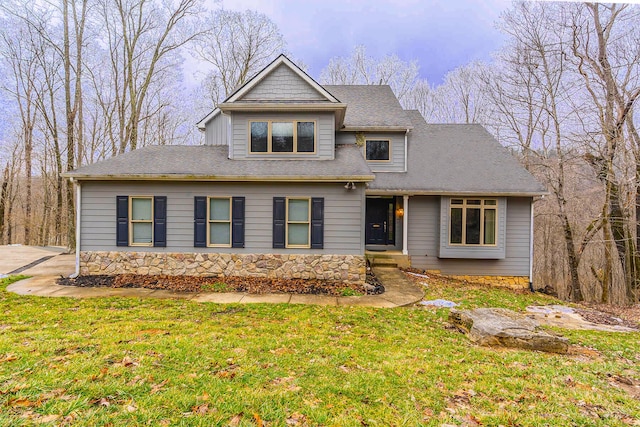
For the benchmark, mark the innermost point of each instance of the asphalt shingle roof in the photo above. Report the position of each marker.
(208, 162)
(457, 158)
(370, 106)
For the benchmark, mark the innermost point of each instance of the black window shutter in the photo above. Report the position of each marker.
(279, 216)
(122, 220)
(317, 223)
(237, 222)
(160, 221)
(200, 222)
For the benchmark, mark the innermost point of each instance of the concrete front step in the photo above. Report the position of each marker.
(383, 262)
(388, 260)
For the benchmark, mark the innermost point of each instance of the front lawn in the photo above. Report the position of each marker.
(117, 361)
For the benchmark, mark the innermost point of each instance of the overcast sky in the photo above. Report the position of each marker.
(440, 34)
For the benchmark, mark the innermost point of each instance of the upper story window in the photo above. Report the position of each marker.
(272, 136)
(473, 222)
(378, 149)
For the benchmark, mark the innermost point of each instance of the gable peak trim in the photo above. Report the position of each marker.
(280, 60)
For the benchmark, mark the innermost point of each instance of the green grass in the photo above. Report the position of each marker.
(216, 287)
(116, 361)
(349, 292)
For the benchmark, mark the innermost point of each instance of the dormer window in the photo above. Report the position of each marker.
(271, 136)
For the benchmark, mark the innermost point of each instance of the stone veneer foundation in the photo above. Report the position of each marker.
(343, 268)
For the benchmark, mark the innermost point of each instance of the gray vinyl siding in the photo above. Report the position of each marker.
(396, 159)
(216, 131)
(325, 135)
(343, 210)
(283, 84)
(424, 240)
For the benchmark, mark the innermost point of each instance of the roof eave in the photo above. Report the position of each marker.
(281, 106)
(488, 193)
(202, 123)
(376, 128)
(337, 107)
(229, 178)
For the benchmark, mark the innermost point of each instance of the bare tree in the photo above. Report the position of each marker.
(18, 48)
(144, 37)
(360, 68)
(460, 99)
(237, 45)
(605, 47)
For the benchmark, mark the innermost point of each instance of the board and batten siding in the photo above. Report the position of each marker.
(283, 84)
(343, 223)
(424, 240)
(325, 135)
(396, 161)
(217, 130)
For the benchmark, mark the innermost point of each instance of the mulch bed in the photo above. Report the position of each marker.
(250, 285)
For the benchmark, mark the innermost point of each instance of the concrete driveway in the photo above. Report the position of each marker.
(36, 260)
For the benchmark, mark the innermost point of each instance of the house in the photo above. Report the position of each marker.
(299, 180)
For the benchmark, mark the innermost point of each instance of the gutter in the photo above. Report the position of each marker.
(375, 129)
(396, 192)
(185, 177)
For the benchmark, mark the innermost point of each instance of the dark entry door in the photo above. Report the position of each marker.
(379, 217)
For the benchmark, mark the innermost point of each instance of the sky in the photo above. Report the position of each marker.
(440, 34)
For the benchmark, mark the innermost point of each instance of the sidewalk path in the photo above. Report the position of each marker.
(399, 291)
(15, 257)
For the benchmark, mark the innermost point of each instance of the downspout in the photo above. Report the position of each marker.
(531, 250)
(406, 145)
(78, 207)
(405, 225)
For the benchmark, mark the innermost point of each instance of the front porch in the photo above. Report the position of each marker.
(386, 227)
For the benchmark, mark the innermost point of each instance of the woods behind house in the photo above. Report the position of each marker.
(81, 81)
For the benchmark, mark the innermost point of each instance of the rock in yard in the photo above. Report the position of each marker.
(499, 327)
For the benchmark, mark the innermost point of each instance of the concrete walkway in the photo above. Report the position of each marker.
(399, 291)
(16, 257)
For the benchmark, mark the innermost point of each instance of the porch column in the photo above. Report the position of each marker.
(405, 224)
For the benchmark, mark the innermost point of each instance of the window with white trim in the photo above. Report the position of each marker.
(273, 136)
(219, 221)
(473, 222)
(141, 221)
(298, 223)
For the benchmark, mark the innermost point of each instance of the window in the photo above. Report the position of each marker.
(141, 221)
(298, 221)
(473, 222)
(377, 150)
(219, 221)
(282, 137)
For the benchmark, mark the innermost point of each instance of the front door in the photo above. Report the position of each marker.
(379, 221)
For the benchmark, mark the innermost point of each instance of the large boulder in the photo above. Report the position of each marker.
(499, 327)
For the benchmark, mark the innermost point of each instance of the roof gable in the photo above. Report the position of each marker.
(283, 84)
(280, 71)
